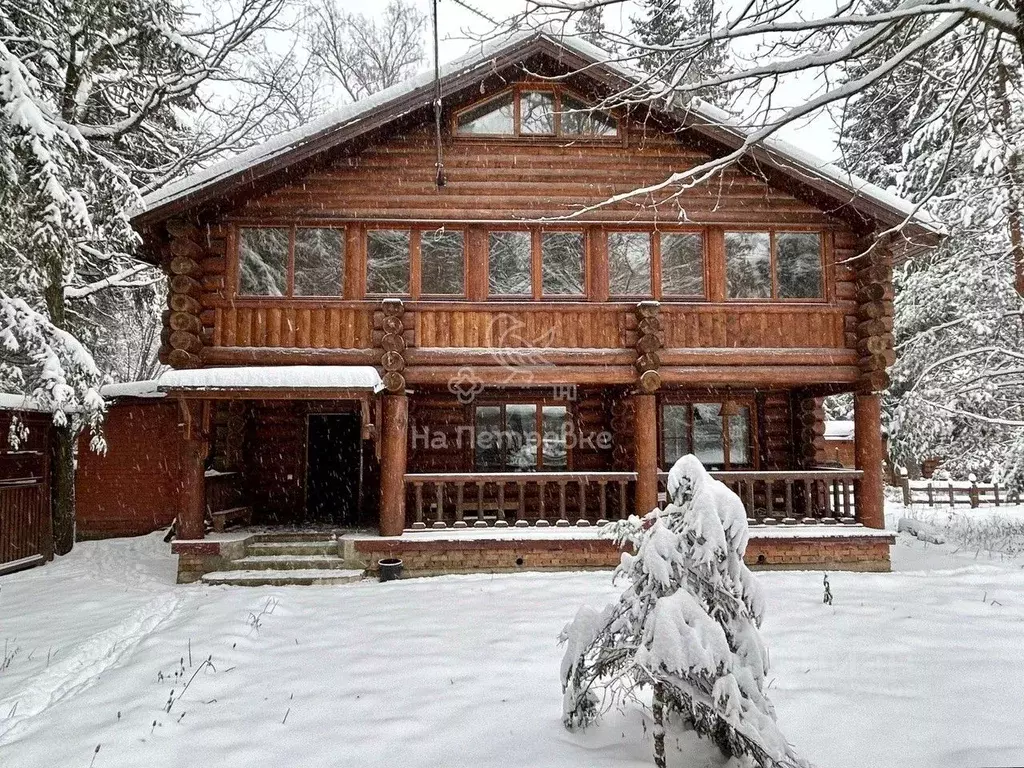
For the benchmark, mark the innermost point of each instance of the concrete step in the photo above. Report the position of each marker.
(288, 562)
(286, 536)
(283, 578)
(296, 548)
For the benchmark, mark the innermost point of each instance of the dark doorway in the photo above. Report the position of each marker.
(333, 469)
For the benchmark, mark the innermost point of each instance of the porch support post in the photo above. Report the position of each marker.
(194, 449)
(645, 441)
(867, 414)
(394, 442)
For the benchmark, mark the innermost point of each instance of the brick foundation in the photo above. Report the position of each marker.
(431, 557)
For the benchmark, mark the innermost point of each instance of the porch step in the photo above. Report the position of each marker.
(282, 578)
(288, 562)
(289, 536)
(298, 548)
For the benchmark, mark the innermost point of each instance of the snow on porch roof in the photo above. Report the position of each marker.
(269, 377)
(10, 401)
(416, 91)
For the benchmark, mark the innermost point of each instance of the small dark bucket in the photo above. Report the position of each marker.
(390, 568)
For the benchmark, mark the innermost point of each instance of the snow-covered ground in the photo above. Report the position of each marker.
(921, 667)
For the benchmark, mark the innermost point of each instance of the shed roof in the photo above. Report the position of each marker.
(352, 120)
(272, 377)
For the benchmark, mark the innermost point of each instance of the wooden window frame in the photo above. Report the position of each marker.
(292, 227)
(530, 86)
(415, 292)
(537, 263)
(773, 232)
(539, 403)
(689, 400)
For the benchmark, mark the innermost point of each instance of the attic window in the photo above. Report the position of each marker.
(536, 112)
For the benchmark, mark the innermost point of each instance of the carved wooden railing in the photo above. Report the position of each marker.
(789, 497)
(520, 499)
(502, 499)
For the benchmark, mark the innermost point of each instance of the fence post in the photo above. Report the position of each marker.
(975, 496)
(952, 500)
(905, 487)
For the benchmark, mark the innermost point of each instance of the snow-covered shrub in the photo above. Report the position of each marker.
(686, 627)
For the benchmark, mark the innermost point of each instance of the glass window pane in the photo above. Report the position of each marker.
(263, 261)
(319, 261)
(511, 265)
(488, 448)
(708, 445)
(629, 263)
(748, 265)
(555, 456)
(520, 437)
(682, 264)
(675, 433)
(494, 118)
(739, 437)
(537, 113)
(798, 260)
(387, 261)
(578, 119)
(442, 258)
(562, 263)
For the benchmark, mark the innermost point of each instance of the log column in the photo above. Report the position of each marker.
(867, 414)
(394, 442)
(645, 441)
(194, 449)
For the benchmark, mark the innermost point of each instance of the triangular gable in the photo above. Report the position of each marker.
(354, 120)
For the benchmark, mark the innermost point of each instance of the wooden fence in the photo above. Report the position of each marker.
(24, 523)
(950, 493)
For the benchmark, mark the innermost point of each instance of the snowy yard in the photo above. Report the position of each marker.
(916, 668)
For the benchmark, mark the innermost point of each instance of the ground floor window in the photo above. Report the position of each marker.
(717, 433)
(520, 437)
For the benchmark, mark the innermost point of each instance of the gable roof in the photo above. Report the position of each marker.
(353, 120)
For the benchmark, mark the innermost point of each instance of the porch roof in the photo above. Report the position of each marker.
(304, 382)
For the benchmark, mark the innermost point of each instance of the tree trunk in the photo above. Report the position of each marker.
(62, 489)
(62, 464)
(658, 708)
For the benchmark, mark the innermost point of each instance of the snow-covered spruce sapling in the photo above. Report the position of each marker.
(686, 627)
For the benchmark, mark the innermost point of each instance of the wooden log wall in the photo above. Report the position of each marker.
(195, 259)
(808, 430)
(875, 318)
(648, 343)
(390, 328)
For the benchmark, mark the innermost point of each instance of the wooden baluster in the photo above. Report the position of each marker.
(769, 488)
(542, 520)
(582, 513)
(750, 498)
(459, 489)
(847, 512)
(562, 519)
(439, 497)
(481, 489)
(789, 498)
(501, 522)
(834, 484)
(808, 499)
(521, 509)
(602, 489)
(622, 499)
(419, 506)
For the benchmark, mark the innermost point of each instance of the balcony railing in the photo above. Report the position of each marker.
(521, 499)
(801, 496)
(501, 499)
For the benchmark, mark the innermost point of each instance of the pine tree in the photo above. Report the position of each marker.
(946, 131)
(686, 627)
(98, 102)
(664, 24)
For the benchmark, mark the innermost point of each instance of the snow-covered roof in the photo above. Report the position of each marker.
(10, 401)
(272, 377)
(251, 164)
(144, 388)
(839, 430)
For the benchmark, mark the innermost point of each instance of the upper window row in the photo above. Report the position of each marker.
(539, 112)
(529, 263)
